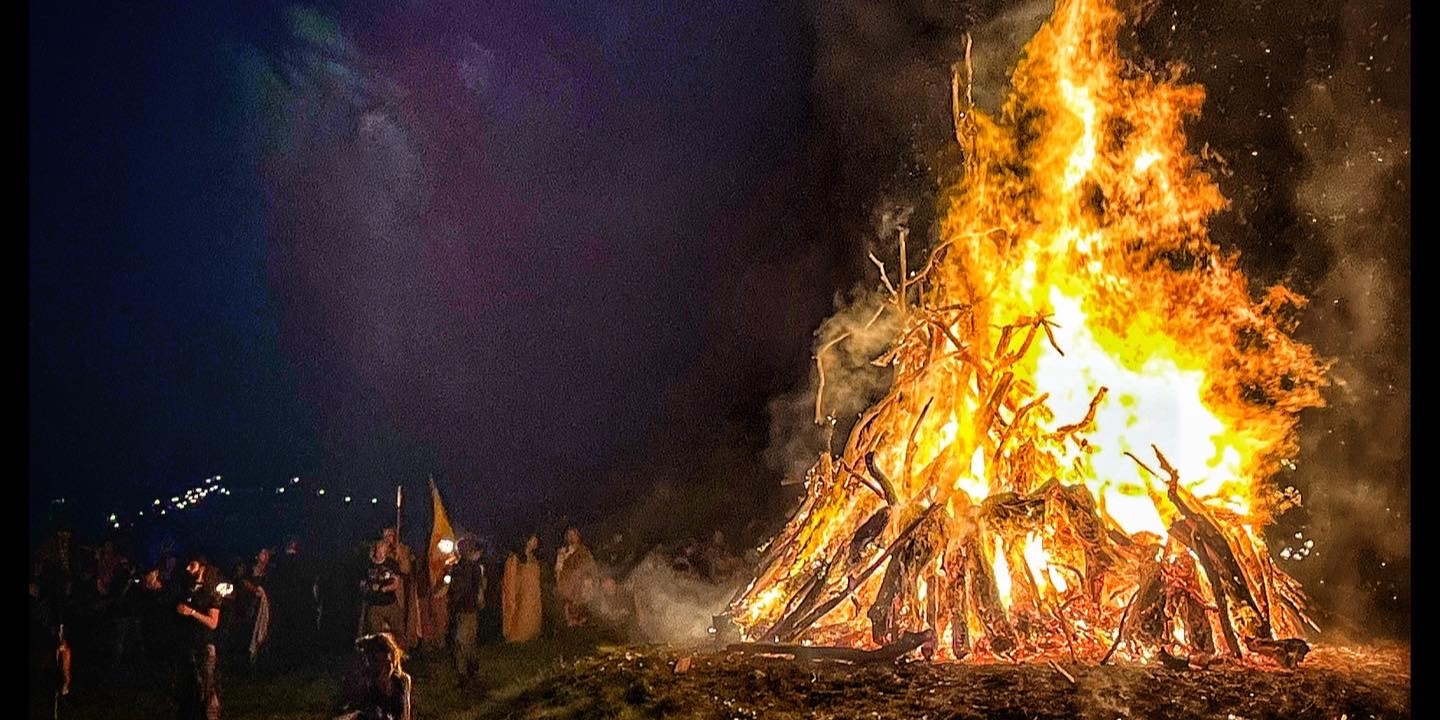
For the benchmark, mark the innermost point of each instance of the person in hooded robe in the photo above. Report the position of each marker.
(576, 578)
(410, 593)
(520, 594)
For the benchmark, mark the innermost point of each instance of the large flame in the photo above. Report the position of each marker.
(1076, 329)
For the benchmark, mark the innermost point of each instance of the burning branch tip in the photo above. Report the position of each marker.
(878, 312)
(883, 277)
(820, 386)
(1142, 465)
(879, 476)
(1166, 466)
(1049, 333)
(904, 281)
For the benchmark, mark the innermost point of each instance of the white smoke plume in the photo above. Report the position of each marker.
(657, 603)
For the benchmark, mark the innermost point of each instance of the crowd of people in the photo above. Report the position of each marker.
(96, 616)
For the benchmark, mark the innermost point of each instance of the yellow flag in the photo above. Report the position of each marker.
(442, 539)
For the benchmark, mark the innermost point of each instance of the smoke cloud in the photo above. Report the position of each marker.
(1352, 127)
(668, 606)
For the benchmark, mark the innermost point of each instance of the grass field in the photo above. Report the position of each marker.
(504, 669)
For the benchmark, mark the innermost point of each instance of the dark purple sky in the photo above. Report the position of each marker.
(377, 240)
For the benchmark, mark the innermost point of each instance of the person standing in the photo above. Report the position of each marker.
(576, 577)
(255, 584)
(408, 633)
(197, 680)
(292, 589)
(383, 609)
(467, 598)
(520, 594)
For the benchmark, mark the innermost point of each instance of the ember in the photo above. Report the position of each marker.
(1087, 403)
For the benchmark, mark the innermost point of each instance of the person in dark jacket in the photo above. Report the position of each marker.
(197, 679)
(467, 599)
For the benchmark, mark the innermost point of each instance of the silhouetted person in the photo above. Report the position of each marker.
(197, 675)
(293, 615)
(467, 599)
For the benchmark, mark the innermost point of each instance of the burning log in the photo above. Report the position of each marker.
(809, 595)
(1198, 532)
(1288, 653)
(984, 597)
(867, 534)
(1184, 602)
(1147, 624)
(896, 586)
(854, 581)
(955, 564)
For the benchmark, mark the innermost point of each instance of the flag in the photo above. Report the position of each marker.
(442, 539)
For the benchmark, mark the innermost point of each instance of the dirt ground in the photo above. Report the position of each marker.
(1332, 683)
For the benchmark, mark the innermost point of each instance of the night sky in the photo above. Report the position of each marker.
(560, 254)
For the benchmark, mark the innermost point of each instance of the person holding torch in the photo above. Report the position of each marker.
(197, 680)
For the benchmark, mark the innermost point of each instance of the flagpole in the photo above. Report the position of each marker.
(398, 497)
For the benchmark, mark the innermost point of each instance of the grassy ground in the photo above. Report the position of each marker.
(297, 696)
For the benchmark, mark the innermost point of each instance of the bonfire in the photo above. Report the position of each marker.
(1076, 456)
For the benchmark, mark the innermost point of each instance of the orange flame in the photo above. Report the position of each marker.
(1075, 316)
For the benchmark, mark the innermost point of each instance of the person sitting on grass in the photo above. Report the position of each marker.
(382, 690)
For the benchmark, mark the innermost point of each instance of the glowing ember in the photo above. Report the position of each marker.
(1086, 405)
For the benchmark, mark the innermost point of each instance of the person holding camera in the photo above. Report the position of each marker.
(383, 610)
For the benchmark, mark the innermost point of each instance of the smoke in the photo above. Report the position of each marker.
(669, 606)
(996, 46)
(1352, 128)
(852, 337)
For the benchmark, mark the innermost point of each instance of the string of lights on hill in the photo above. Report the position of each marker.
(192, 498)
